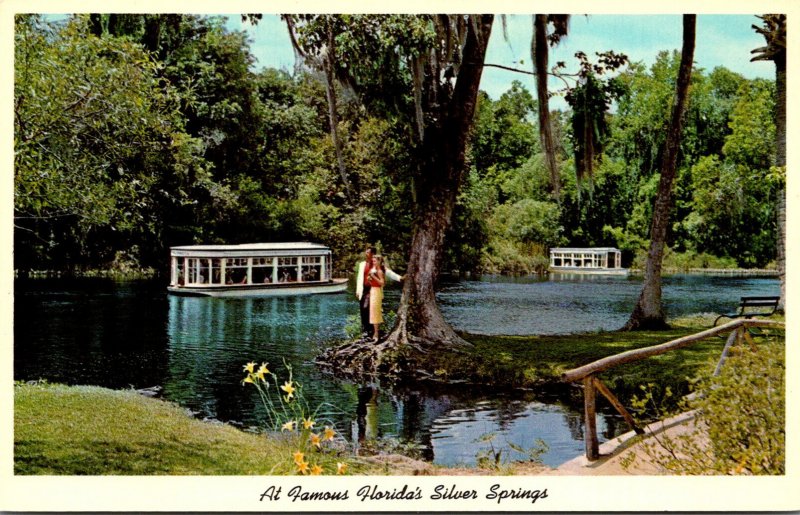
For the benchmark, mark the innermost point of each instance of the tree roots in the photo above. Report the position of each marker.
(396, 357)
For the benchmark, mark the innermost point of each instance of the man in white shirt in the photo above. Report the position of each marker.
(362, 287)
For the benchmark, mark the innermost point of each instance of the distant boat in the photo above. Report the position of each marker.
(253, 269)
(595, 260)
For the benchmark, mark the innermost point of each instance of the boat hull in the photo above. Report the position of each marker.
(261, 290)
(589, 271)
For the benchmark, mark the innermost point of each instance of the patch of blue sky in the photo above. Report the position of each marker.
(722, 40)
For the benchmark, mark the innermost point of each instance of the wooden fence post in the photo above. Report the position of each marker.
(589, 411)
(618, 405)
(586, 373)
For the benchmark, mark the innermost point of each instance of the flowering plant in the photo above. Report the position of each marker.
(288, 411)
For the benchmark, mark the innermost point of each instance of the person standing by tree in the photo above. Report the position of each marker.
(376, 280)
(363, 287)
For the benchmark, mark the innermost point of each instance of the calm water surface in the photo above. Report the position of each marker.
(133, 335)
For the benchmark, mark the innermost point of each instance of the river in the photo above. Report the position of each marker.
(133, 335)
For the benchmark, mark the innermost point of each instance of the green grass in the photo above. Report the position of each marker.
(95, 431)
(526, 361)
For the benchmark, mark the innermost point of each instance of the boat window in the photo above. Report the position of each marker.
(263, 270)
(287, 269)
(200, 270)
(179, 280)
(236, 271)
(215, 271)
(311, 269)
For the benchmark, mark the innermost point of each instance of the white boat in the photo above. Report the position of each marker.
(594, 260)
(253, 269)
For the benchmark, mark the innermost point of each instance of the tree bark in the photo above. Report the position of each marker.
(774, 32)
(420, 326)
(541, 54)
(780, 160)
(330, 89)
(445, 91)
(649, 311)
(443, 153)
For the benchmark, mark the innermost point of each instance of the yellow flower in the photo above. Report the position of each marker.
(329, 434)
(249, 367)
(302, 467)
(289, 426)
(248, 379)
(315, 440)
(262, 371)
(289, 389)
(298, 457)
(316, 470)
(308, 423)
(341, 468)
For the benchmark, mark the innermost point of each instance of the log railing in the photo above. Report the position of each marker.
(587, 374)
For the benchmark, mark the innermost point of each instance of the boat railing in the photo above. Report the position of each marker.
(588, 374)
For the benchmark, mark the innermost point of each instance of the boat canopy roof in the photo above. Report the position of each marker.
(299, 248)
(584, 249)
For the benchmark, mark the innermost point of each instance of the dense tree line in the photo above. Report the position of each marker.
(134, 133)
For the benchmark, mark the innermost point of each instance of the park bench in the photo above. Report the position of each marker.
(750, 307)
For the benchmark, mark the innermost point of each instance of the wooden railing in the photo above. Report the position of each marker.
(587, 374)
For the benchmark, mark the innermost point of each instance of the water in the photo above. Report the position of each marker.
(133, 335)
(573, 303)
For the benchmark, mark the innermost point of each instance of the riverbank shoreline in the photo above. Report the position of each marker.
(87, 430)
(79, 430)
(151, 273)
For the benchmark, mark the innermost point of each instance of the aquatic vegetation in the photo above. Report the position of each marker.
(491, 458)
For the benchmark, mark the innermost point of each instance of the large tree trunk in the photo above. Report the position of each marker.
(780, 160)
(419, 319)
(420, 326)
(774, 32)
(649, 312)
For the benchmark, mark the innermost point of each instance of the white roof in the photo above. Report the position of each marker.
(295, 245)
(585, 249)
(297, 248)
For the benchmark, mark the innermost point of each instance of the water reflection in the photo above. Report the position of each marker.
(211, 339)
(367, 427)
(122, 335)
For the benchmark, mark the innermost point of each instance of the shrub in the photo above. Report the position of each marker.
(740, 427)
(514, 258)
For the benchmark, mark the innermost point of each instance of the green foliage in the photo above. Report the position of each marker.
(691, 259)
(741, 421)
(734, 195)
(590, 100)
(504, 135)
(100, 152)
(507, 257)
(528, 221)
(134, 133)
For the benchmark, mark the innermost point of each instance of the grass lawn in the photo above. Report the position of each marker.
(81, 430)
(525, 361)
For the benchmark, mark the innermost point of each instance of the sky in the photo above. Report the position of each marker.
(721, 40)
